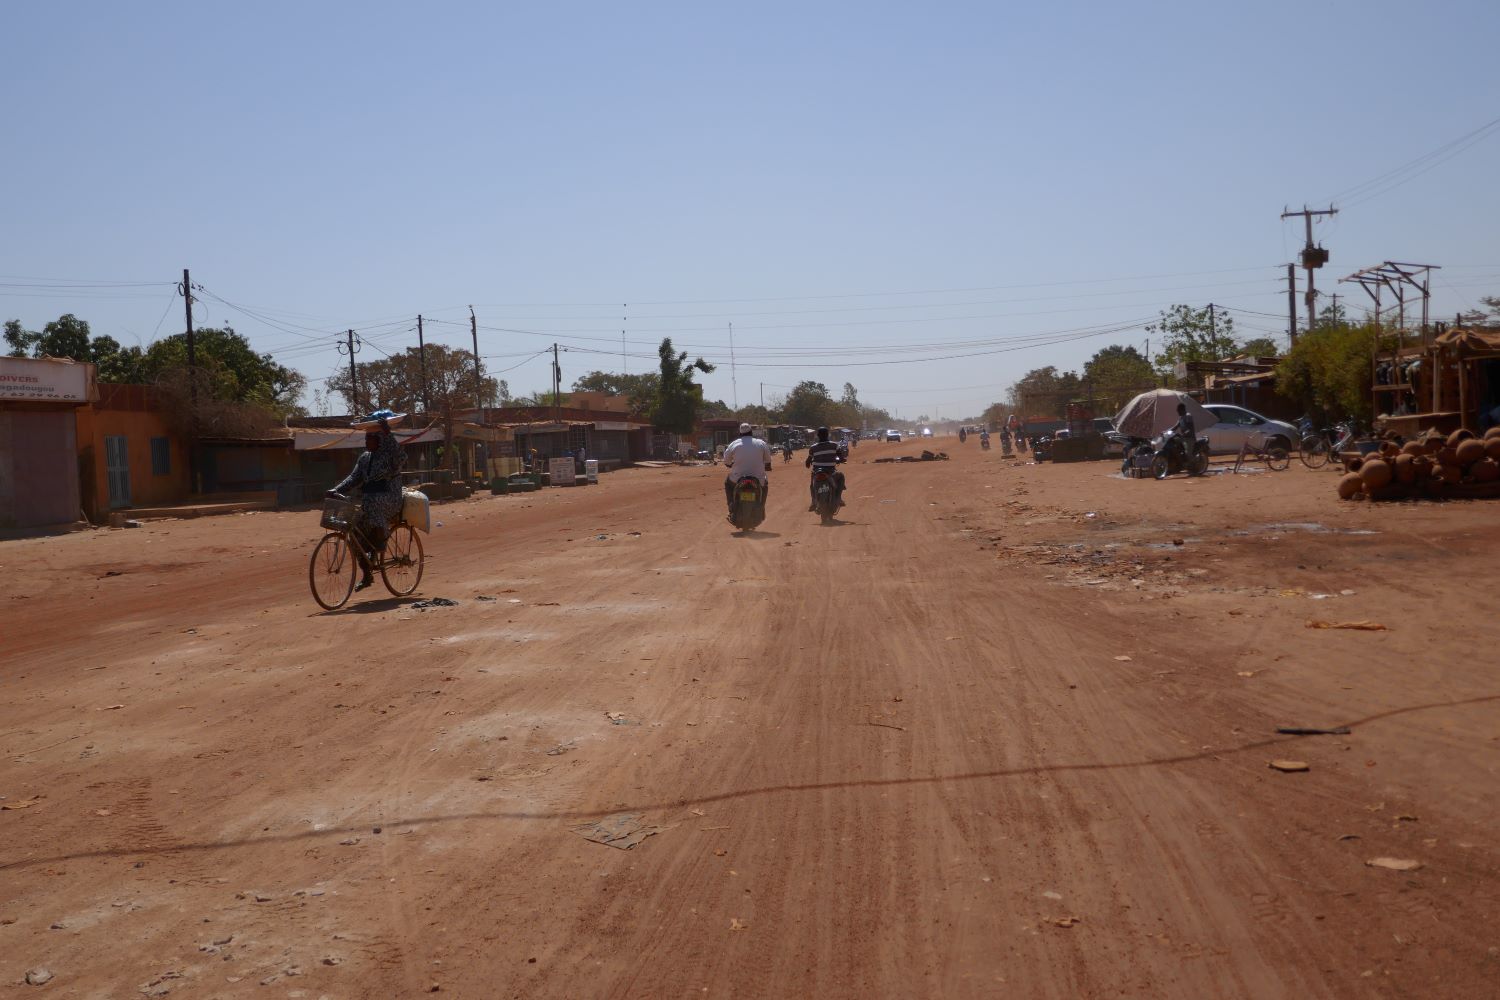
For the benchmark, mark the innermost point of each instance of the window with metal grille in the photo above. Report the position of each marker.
(161, 457)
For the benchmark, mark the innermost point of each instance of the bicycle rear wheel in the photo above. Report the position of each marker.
(1277, 459)
(1314, 452)
(401, 568)
(330, 571)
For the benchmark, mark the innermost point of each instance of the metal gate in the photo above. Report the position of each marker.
(117, 466)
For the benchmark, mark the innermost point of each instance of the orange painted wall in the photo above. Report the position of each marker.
(127, 411)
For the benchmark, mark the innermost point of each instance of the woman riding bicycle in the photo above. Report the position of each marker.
(377, 473)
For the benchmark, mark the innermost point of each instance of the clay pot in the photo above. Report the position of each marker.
(1493, 432)
(1390, 449)
(1353, 464)
(1432, 445)
(1375, 473)
(1405, 471)
(1447, 455)
(1462, 434)
(1413, 448)
(1449, 473)
(1422, 467)
(1486, 470)
(1469, 451)
(1350, 486)
(1492, 446)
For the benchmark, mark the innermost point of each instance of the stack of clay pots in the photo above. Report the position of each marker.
(1459, 465)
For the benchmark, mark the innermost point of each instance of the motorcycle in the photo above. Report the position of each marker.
(1135, 462)
(984, 442)
(749, 504)
(1171, 457)
(1041, 448)
(825, 496)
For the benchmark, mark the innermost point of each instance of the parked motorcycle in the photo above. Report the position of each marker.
(825, 496)
(1041, 448)
(1136, 460)
(1171, 455)
(749, 504)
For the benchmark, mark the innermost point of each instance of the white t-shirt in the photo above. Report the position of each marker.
(747, 456)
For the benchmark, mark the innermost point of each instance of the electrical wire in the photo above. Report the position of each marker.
(1370, 189)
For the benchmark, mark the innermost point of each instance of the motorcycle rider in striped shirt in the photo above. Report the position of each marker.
(824, 456)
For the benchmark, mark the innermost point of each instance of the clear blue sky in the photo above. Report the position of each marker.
(828, 177)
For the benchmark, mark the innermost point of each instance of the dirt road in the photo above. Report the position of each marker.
(1002, 732)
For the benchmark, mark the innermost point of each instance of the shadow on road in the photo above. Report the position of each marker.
(744, 793)
(370, 607)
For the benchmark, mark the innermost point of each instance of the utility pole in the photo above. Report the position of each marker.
(624, 363)
(1291, 304)
(192, 347)
(352, 349)
(478, 378)
(556, 383)
(1313, 257)
(762, 395)
(422, 362)
(1213, 328)
(734, 381)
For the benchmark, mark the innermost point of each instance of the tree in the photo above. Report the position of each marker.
(1115, 374)
(809, 405)
(1328, 371)
(1043, 391)
(678, 397)
(1190, 334)
(1490, 314)
(1261, 347)
(639, 389)
(68, 337)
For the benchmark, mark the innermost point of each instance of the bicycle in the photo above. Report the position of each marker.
(1317, 447)
(331, 570)
(1276, 457)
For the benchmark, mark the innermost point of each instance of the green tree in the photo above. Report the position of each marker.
(1190, 334)
(1115, 374)
(1328, 371)
(69, 337)
(1261, 347)
(1044, 391)
(678, 397)
(640, 389)
(229, 370)
(1490, 314)
(809, 405)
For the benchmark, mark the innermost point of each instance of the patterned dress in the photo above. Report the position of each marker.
(377, 473)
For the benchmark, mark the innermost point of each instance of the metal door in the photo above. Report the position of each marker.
(117, 467)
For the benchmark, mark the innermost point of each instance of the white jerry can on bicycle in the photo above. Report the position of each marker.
(416, 511)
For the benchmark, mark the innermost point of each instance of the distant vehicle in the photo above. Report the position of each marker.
(893, 435)
(927, 432)
(1115, 443)
(1238, 425)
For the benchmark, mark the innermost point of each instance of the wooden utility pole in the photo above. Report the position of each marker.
(192, 347)
(351, 349)
(478, 378)
(1313, 257)
(422, 362)
(556, 384)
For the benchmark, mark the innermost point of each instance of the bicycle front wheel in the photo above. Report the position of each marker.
(401, 569)
(330, 572)
(1314, 452)
(1277, 459)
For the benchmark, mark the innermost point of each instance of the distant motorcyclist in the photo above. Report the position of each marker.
(786, 450)
(824, 456)
(747, 455)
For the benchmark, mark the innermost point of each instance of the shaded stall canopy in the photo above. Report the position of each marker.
(1151, 413)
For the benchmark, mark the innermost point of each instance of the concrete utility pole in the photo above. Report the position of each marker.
(1291, 304)
(734, 380)
(422, 362)
(1313, 257)
(624, 362)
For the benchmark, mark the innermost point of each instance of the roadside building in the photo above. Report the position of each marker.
(128, 453)
(39, 459)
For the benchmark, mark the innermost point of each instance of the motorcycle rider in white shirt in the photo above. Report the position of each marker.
(747, 455)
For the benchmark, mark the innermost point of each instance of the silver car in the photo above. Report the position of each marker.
(1237, 425)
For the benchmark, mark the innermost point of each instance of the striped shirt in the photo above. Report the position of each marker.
(823, 455)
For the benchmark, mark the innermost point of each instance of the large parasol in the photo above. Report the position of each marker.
(1151, 413)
